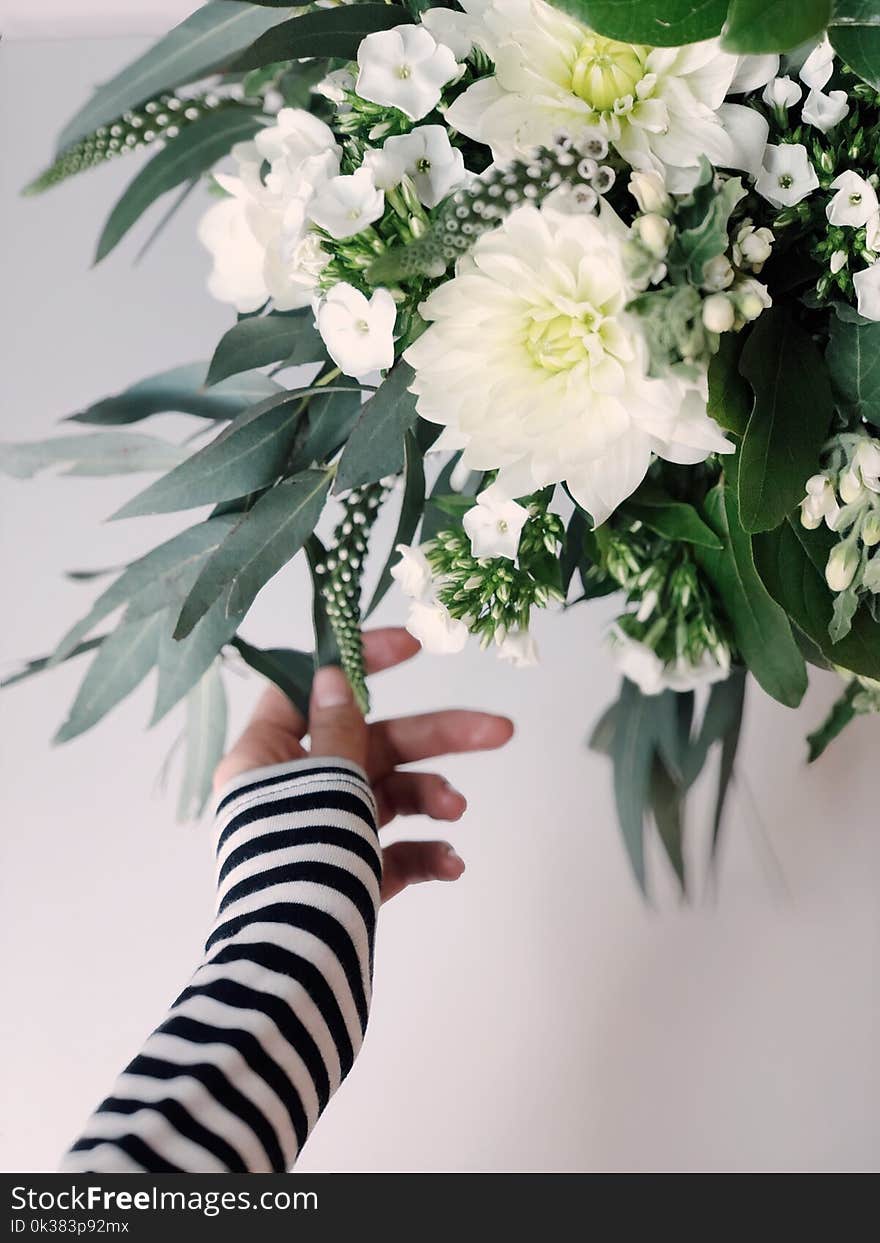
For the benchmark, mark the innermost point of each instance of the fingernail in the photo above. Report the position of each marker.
(453, 857)
(330, 688)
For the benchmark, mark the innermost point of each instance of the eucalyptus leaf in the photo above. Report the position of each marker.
(333, 414)
(92, 454)
(205, 742)
(335, 32)
(434, 519)
(196, 149)
(258, 546)
(375, 447)
(182, 662)
(660, 23)
(411, 510)
(853, 358)
(855, 36)
(729, 750)
(205, 41)
(731, 400)
(834, 724)
(267, 339)
(632, 754)
(42, 663)
(180, 391)
(790, 421)
(291, 671)
(773, 25)
(667, 806)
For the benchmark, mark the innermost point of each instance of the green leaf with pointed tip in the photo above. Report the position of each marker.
(259, 545)
(335, 32)
(206, 718)
(332, 418)
(376, 445)
(790, 421)
(411, 510)
(207, 40)
(123, 661)
(730, 398)
(853, 358)
(693, 247)
(660, 23)
(182, 662)
(180, 391)
(736, 685)
(291, 671)
(196, 149)
(93, 454)
(291, 339)
(667, 806)
(855, 37)
(754, 26)
(674, 520)
(42, 663)
(834, 724)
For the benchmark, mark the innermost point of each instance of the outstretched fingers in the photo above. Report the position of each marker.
(411, 863)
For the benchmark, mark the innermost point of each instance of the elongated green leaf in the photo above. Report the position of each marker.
(206, 718)
(790, 421)
(42, 663)
(834, 724)
(730, 398)
(661, 23)
(291, 671)
(195, 150)
(180, 391)
(90, 453)
(729, 749)
(855, 36)
(375, 447)
(632, 754)
(853, 358)
(411, 510)
(667, 805)
(761, 628)
(324, 32)
(773, 25)
(182, 662)
(261, 542)
(332, 417)
(199, 45)
(159, 579)
(723, 710)
(123, 661)
(674, 520)
(267, 339)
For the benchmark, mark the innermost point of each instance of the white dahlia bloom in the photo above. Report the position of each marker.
(662, 108)
(533, 366)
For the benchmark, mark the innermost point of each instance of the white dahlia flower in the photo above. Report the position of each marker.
(662, 108)
(533, 365)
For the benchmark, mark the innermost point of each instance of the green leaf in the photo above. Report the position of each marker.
(411, 511)
(206, 717)
(660, 23)
(773, 25)
(667, 805)
(707, 238)
(326, 647)
(324, 32)
(834, 724)
(843, 612)
(267, 339)
(199, 45)
(790, 421)
(90, 453)
(855, 36)
(182, 662)
(123, 661)
(731, 400)
(262, 541)
(729, 748)
(161, 578)
(41, 663)
(332, 417)
(791, 561)
(196, 149)
(375, 447)
(291, 671)
(180, 391)
(632, 753)
(853, 358)
(760, 626)
(674, 520)
(434, 519)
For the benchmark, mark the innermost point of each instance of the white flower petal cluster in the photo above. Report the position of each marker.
(519, 649)
(642, 665)
(429, 620)
(661, 108)
(426, 156)
(259, 236)
(495, 524)
(532, 365)
(404, 68)
(358, 332)
(820, 504)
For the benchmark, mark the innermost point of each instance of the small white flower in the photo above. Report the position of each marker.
(426, 156)
(866, 460)
(820, 503)
(649, 191)
(495, 524)
(237, 275)
(787, 176)
(435, 628)
(335, 87)
(840, 570)
(404, 68)
(782, 93)
(346, 205)
(413, 573)
(719, 314)
(850, 487)
(752, 247)
(455, 30)
(838, 260)
(654, 232)
(825, 111)
(855, 201)
(518, 649)
(867, 284)
(359, 334)
(819, 65)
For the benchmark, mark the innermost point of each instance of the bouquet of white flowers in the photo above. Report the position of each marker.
(597, 280)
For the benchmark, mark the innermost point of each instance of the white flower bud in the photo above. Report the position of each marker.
(871, 530)
(819, 503)
(850, 486)
(755, 245)
(649, 191)
(653, 231)
(866, 460)
(751, 298)
(782, 93)
(843, 561)
(717, 273)
(718, 313)
(838, 260)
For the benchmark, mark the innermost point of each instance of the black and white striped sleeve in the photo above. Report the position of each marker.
(249, 1054)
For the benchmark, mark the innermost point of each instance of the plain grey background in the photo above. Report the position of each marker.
(538, 1015)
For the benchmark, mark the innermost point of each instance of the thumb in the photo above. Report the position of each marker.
(336, 724)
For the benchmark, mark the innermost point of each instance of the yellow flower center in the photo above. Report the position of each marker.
(607, 71)
(560, 343)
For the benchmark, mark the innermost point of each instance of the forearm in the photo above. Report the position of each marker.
(251, 1051)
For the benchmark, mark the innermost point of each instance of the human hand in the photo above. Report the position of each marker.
(382, 748)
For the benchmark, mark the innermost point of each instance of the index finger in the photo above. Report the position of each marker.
(406, 739)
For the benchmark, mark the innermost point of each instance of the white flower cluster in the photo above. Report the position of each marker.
(848, 500)
(641, 664)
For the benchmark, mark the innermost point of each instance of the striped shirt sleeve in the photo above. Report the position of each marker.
(236, 1076)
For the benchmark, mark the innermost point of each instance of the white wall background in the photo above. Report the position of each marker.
(537, 1015)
